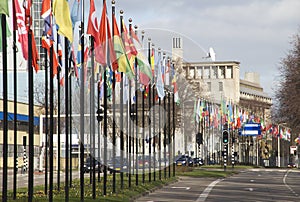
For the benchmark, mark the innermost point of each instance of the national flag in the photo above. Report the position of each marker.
(8, 34)
(143, 64)
(59, 53)
(19, 25)
(123, 62)
(28, 20)
(48, 38)
(159, 80)
(129, 46)
(112, 53)
(4, 7)
(61, 12)
(174, 83)
(167, 73)
(152, 62)
(98, 33)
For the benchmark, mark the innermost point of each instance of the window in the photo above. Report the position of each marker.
(206, 73)
(222, 72)
(230, 71)
(191, 73)
(199, 72)
(209, 86)
(214, 72)
(220, 86)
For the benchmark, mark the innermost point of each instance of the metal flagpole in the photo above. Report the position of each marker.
(15, 49)
(46, 120)
(136, 123)
(66, 122)
(51, 127)
(5, 107)
(93, 116)
(58, 121)
(114, 112)
(82, 107)
(121, 112)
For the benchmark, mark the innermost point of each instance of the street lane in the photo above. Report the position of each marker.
(251, 185)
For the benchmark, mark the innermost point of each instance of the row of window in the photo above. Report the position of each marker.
(209, 72)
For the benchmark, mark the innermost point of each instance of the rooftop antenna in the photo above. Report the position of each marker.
(211, 54)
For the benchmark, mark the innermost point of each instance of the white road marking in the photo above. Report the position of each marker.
(187, 188)
(207, 190)
(251, 180)
(289, 187)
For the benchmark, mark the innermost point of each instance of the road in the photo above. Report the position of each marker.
(250, 185)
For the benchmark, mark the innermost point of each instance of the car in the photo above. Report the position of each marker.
(198, 161)
(291, 165)
(146, 161)
(185, 161)
(87, 167)
(116, 165)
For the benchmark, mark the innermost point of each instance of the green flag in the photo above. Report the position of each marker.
(4, 7)
(8, 33)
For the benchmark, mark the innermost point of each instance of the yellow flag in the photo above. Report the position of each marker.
(62, 15)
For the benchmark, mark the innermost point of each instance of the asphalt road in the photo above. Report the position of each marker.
(251, 185)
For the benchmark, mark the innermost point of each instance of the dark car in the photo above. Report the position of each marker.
(291, 165)
(185, 161)
(116, 165)
(198, 161)
(87, 167)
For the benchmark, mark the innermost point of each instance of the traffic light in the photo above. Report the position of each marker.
(100, 115)
(199, 138)
(225, 136)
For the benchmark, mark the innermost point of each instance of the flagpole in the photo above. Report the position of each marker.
(136, 123)
(15, 49)
(129, 124)
(30, 106)
(150, 97)
(70, 117)
(121, 112)
(114, 109)
(82, 107)
(66, 121)
(46, 121)
(174, 130)
(5, 108)
(105, 122)
(51, 127)
(58, 120)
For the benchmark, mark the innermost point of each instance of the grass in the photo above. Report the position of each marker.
(126, 193)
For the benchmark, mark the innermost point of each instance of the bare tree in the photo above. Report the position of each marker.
(287, 96)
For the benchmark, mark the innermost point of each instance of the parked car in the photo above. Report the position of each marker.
(291, 165)
(198, 161)
(87, 167)
(146, 161)
(116, 165)
(185, 161)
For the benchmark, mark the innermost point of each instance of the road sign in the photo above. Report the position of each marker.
(250, 129)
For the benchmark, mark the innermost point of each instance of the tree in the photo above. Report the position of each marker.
(287, 95)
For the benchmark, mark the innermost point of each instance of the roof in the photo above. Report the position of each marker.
(254, 92)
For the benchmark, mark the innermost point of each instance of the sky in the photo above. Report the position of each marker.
(256, 33)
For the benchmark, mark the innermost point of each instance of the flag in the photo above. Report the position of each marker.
(61, 12)
(123, 62)
(167, 73)
(174, 84)
(28, 20)
(129, 46)
(19, 25)
(59, 53)
(98, 33)
(143, 64)
(48, 38)
(159, 80)
(8, 34)
(4, 7)
(112, 53)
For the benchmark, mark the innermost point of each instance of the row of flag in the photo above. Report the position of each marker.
(216, 115)
(116, 48)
